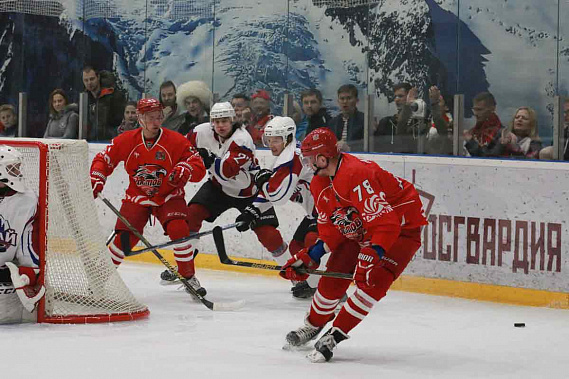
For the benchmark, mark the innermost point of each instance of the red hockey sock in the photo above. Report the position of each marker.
(294, 247)
(183, 252)
(269, 237)
(196, 214)
(310, 239)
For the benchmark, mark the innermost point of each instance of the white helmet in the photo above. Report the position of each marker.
(10, 168)
(279, 127)
(222, 110)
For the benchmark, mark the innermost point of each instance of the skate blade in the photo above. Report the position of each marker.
(169, 282)
(316, 357)
(288, 347)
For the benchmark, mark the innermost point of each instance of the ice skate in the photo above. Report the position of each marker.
(302, 335)
(302, 290)
(323, 348)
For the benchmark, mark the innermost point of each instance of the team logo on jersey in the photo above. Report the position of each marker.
(322, 218)
(375, 206)
(149, 178)
(8, 236)
(348, 221)
(160, 155)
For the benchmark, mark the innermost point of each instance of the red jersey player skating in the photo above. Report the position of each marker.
(369, 221)
(159, 163)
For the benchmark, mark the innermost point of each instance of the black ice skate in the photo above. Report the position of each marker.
(323, 348)
(171, 278)
(302, 290)
(302, 335)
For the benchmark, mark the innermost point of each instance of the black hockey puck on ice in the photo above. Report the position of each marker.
(520, 324)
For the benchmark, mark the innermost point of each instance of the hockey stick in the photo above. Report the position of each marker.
(207, 303)
(110, 238)
(220, 245)
(179, 240)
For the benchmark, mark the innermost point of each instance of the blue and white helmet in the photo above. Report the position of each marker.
(10, 168)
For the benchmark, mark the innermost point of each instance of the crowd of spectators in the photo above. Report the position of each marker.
(410, 130)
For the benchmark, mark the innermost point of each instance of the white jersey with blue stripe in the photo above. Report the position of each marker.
(17, 214)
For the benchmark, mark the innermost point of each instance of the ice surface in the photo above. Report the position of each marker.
(406, 336)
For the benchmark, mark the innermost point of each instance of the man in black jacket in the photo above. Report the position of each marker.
(348, 126)
(315, 115)
(106, 104)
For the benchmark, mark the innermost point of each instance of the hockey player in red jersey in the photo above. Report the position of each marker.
(228, 153)
(370, 222)
(159, 163)
(287, 180)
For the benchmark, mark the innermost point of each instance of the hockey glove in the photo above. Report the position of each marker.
(98, 180)
(307, 258)
(180, 175)
(248, 218)
(207, 157)
(24, 279)
(368, 270)
(262, 176)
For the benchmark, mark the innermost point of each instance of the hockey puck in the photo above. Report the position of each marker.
(520, 324)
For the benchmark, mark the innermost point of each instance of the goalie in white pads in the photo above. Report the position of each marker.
(19, 241)
(286, 180)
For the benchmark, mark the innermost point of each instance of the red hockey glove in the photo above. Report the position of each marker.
(294, 268)
(368, 269)
(180, 175)
(98, 181)
(24, 279)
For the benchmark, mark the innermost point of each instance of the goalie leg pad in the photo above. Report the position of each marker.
(24, 280)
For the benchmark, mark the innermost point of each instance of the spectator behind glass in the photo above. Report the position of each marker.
(195, 97)
(246, 115)
(130, 120)
(315, 115)
(439, 135)
(9, 119)
(239, 102)
(261, 106)
(63, 117)
(483, 139)
(520, 139)
(174, 115)
(348, 126)
(401, 131)
(547, 152)
(106, 104)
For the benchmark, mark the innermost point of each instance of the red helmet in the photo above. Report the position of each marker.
(148, 105)
(321, 141)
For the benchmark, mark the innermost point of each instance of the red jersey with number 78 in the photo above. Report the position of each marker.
(364, 203)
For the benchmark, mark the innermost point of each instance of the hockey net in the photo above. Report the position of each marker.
(82, 284)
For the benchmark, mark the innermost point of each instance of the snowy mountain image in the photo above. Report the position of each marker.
(511, 50)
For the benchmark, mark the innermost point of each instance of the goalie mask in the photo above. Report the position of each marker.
(283, 127)
(10, 168)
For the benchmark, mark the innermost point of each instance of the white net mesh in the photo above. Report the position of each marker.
(80, 277)
(40, 7)
(88, 9)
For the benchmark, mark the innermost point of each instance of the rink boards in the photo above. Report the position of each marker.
(497, 229)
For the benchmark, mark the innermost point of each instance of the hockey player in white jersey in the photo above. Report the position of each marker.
(286, 180)
(228, 153)
(19, 241)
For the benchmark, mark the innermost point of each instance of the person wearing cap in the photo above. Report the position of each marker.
(195, 97)
(261, 106)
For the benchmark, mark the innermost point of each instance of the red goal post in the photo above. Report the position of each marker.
(82, 284)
